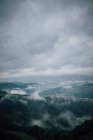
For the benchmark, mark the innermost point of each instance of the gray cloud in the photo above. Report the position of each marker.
(46, 36)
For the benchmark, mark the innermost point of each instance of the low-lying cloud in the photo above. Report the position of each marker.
(36, 97)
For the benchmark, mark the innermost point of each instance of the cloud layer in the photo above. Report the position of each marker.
(46, 37)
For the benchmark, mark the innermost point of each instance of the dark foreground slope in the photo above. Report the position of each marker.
(83, 132)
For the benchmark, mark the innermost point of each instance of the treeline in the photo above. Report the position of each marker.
(82, 132)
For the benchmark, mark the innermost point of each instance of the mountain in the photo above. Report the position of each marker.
(46, 110)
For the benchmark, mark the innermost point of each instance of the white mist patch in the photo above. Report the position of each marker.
(38, 123)
(46, 117)
(35, 96)
(66, 84)
(81, 120)
(23, 102)
(68, 117)
(30, 87)
(18, 91)
(72, 120)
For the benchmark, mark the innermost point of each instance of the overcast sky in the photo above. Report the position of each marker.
(46, 37)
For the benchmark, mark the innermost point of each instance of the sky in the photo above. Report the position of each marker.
(46, 37)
